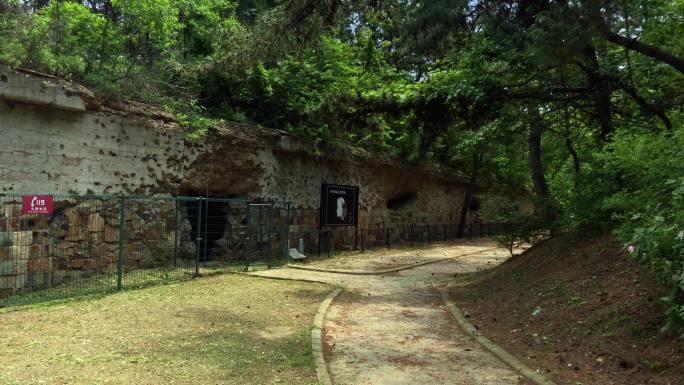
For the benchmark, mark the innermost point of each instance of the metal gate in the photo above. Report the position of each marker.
(267, 232)
(215, 229)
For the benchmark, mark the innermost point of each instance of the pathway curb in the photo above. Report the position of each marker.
(495, 349)
(305, 280)
(322, 372)
(392, 270)
(317, 339)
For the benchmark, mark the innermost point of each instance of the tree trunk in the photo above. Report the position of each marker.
(569, 146)
(602, 93)
(470, 191)
(541, 188)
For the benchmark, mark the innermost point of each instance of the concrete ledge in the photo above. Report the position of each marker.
(385, 271)
(24, 89)
(317, 339)
(495, 349)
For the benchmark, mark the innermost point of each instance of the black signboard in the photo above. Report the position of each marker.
(339, 205)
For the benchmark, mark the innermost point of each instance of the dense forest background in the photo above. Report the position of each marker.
(576, 103)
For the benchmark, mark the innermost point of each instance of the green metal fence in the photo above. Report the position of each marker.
(324, 242)
(102, 243)
(93, 244)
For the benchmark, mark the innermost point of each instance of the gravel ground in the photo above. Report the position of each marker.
(381, 258)
(393, 329)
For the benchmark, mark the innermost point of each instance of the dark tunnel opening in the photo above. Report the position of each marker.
(208, 221)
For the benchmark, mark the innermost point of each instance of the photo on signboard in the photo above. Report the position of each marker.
(339, 205)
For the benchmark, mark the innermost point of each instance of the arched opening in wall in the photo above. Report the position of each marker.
(209, 223)
(475, 204)
(402, 200)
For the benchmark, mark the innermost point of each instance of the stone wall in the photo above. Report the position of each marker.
(58, 138)
(82, 239)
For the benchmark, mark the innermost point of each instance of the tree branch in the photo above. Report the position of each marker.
(643, 48)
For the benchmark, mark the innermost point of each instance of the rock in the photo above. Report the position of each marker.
(98, 251)
(5, 238)
(153, 231)
(11, 210)
(39, 265)
(96, 238)
(7, 282)
(96, 223)
(296, 255)
(4, 253)
(187, 249)
(76, 230)
(65, 250)
(40, 251)
(111, 234)
(13, 282)
(60, 276)
(6, 267)
(20, 252)
(21, 238)
(83, 263)
(39, 279)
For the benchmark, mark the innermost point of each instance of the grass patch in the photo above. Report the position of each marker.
(228, 329)
(106, 283)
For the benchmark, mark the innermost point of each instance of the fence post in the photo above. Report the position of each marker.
(206, 231)
(320, 232)
(428, 234)
(247, 236)
(331, 242)
(363, 241)
(270, 236)
(287, 235)
(356, 237)
(175, 235)
(388, 237)
(122, 243)
(199, 235)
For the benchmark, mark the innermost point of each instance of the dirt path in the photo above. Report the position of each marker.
(395, 330)
(381, 259)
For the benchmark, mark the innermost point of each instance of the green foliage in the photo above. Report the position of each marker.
(518, 226)
(649, 209)
(451, 84)
(192, 117)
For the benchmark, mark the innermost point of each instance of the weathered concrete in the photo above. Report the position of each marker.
(44, 93)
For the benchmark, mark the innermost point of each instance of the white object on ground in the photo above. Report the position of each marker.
(295, 254)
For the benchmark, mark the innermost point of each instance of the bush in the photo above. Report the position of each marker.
(656, 239)
(517, 226)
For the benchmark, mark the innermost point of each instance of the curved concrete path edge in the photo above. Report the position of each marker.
(317, 339)
(495, 349)
(322, 372)
(392, 270)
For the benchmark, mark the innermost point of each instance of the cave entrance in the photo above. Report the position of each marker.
(208, 217)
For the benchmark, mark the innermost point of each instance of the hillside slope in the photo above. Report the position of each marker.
(578, 310)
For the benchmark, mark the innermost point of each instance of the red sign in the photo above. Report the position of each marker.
(37, 204)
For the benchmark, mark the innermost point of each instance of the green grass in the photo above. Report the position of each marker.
(228, 329)
(106, 283)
